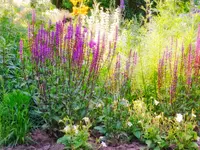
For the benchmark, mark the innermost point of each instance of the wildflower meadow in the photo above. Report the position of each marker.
(100, 75)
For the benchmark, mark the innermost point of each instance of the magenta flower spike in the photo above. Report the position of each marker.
(70, 29)
(122, 4)
(197, 55)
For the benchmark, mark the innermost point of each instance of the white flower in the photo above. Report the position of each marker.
(86, 119)
(103, 144)
(156, 102)
(75, 129)
(129, 124)
(193, 115)
(101, 137)
(66, 129)
(179, 117)
(198, 139)
(99, 105)
(158, 117)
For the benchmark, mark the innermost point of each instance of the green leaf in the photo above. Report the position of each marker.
(137, 134)
(148, 142)
(100, 129)
(194, 145)
(64, 140)
(156, 148)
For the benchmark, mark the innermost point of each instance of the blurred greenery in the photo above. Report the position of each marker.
(132, 8)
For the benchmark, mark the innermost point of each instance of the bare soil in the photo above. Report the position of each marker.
(43, 141)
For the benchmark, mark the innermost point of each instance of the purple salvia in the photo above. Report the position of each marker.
(122, 5)
(94, 64)
(92, 44)
(57, 34)
(70, 29)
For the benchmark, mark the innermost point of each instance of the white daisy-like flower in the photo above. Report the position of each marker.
(179, 117)
(129, 124)
(103, 144)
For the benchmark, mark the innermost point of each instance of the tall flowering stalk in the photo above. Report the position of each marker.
(189, 67)
(174, 82)
(122, 5)
(197, 56)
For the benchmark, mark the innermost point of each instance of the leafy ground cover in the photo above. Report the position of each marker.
(94, 80)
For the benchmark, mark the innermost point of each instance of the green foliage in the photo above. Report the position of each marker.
(14, 118)
(76, 136)
(9, 46)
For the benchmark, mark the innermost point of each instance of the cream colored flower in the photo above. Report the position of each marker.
(75, 129)
(99, 105)
(158, 117)
(86, 119)
(193, 115)
(129, 124)
(67, 129)
(179, 117)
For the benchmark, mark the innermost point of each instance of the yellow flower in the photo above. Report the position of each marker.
(83, 10)
(75, 11)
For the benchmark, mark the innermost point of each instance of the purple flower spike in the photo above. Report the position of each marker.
(122, 5)
(69, 32)
(92, 44)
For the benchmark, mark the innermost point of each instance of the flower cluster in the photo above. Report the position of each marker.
(79, 8)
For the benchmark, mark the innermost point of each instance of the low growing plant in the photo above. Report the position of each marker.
(75, 136)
